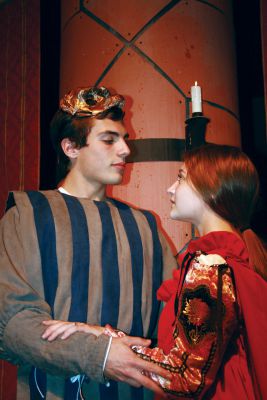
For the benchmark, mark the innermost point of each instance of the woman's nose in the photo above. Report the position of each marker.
(172, 188)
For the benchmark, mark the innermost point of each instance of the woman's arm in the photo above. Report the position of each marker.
(200, 334)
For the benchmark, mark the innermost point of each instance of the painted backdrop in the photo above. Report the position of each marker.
(152, 52)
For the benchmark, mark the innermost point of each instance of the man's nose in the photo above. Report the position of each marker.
(124, 149)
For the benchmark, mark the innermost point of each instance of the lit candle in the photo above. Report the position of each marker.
(196, 99)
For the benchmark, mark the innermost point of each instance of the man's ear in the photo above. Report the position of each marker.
(69, 148)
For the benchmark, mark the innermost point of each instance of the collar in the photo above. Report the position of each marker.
(226, 244)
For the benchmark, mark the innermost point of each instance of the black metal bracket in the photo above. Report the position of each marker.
(195, 131)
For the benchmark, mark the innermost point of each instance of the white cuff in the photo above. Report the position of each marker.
(107, 383)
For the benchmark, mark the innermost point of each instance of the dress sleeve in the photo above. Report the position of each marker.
(22, 310)
(204, 322)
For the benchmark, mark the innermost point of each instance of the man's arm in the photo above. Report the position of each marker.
(169, 261)
(121, 365)
(22, 311)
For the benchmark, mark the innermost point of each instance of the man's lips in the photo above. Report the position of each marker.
(119, 166)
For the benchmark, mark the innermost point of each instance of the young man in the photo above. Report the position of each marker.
(75, 255)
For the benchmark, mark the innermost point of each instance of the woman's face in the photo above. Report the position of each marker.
(187, 204)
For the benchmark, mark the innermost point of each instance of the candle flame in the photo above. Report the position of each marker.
(195, 83)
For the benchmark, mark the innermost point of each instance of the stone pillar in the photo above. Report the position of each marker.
(152, 52)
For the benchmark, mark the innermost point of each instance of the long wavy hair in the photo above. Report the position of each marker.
(228, 182)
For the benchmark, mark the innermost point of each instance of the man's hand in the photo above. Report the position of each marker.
(125, 366)
(63, 329)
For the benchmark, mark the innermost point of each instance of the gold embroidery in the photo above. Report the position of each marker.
(197, 311)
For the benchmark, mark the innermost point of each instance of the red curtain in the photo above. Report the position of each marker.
(19, 96)
(19, 116)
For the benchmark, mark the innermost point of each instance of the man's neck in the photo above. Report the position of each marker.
(85, 190)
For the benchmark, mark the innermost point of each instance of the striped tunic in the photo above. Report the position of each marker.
(78, 260)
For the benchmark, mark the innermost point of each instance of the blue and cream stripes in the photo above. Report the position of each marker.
(109, 220)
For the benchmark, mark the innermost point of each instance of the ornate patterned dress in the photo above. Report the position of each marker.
(211, 331)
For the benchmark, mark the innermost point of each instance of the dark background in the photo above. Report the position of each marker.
(251, 98)
(246, 16)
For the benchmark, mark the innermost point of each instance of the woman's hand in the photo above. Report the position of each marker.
(63, 329)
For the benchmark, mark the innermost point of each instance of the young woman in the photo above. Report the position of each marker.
(212, 329)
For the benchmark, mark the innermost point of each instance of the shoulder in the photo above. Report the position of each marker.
(204, 266)
(27, 200)
(123, 206)
(144, 220)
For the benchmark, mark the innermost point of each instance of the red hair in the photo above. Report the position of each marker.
(228, 182)
(226, 179)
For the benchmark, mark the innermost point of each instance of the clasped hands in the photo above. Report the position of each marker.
(122, 363)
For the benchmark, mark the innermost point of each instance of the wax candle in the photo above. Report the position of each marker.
(196, 98)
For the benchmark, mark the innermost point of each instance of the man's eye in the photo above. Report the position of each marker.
(108, 141)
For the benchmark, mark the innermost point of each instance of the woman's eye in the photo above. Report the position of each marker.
(180, 178)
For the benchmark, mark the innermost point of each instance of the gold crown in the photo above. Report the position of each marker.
(90, 101)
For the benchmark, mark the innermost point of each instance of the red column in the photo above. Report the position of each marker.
(152, 52)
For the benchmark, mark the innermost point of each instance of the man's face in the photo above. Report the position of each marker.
(102, 161)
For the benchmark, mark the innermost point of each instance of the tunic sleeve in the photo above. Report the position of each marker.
(204, 322)
(169, 261)
(22, 310)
